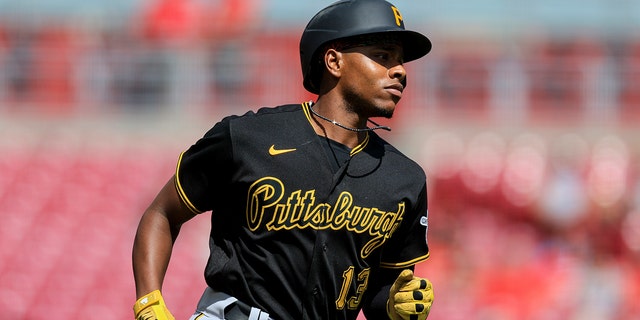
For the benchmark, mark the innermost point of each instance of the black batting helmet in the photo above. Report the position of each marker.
(350, 18)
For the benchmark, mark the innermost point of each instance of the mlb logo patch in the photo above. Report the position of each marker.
(424, 221)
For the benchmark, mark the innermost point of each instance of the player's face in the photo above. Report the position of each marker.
(372, 79)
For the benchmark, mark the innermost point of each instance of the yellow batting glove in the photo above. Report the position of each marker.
(410, 297)
(152, 307)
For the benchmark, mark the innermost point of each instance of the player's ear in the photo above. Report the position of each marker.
(333, 62)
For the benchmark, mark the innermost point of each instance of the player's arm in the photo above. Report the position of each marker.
(157, 231)
(410, 296)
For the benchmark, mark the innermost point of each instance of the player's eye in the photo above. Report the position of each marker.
(388, 56)
(383, 56)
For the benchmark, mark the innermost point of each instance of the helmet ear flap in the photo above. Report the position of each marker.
(315, 70)
(315, 74)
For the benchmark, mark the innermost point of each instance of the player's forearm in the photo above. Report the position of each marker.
(157, 231)
(377, 306)
(151, 252)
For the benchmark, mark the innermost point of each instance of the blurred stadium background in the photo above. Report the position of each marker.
(525, 117)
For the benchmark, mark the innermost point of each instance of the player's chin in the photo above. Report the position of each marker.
(391, 104)
(383, 107)
(385, 111)
(391, 107)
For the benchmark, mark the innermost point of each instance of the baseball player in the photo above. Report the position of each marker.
(313, 215)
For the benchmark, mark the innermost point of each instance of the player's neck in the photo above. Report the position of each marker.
(337, 124)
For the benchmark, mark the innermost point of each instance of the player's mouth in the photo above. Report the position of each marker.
(395, 89)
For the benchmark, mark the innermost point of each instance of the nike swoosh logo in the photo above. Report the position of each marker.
(274, 152)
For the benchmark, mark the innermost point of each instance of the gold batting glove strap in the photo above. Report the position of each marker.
(152, 307)
(410, 297)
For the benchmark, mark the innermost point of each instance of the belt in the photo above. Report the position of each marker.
(242, 311)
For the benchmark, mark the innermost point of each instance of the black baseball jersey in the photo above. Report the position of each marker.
(292, 233)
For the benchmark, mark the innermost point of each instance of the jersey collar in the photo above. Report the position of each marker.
(305, 107)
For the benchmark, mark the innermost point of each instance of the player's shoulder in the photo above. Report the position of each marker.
(282, 113)
(287, 118)
(281, 109)
(266, 111)
(251, 118)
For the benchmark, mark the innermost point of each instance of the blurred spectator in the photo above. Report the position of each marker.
(18, 64)
(186, 21)
(564, 202)
(170, 20)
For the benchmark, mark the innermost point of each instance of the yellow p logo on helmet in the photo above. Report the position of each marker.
(398, 15)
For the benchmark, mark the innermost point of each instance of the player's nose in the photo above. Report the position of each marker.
(398, 72)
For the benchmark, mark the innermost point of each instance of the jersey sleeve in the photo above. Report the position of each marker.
(204, 168)
(408, 244)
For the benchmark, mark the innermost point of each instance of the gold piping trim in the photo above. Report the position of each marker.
(404, 264)
(181, 192)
